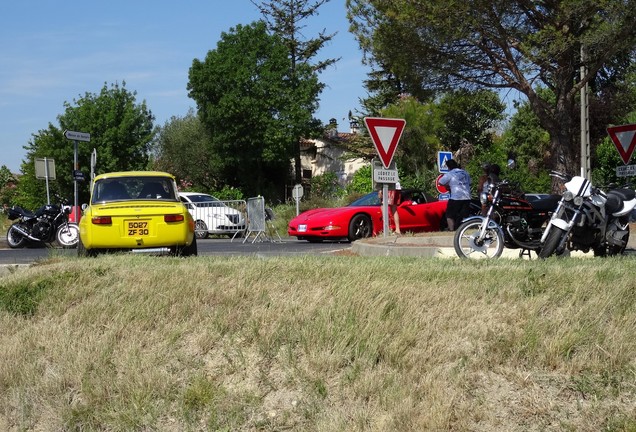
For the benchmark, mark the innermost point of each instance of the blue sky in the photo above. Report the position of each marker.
(55, 51)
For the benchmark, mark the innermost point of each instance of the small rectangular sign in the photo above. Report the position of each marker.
(385, 176)
(442, 157)
(626, 171)
(77, 136)
(41, 168)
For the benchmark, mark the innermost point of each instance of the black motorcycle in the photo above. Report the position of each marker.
(588, 218)
(511, 221)
(48, 223)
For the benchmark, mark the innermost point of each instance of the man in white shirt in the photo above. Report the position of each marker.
(458, 181)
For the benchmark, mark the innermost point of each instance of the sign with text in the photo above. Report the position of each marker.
(385, 134)
(626, 171)
(77, 136)
(385, 176)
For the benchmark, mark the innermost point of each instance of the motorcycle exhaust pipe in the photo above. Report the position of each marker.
(24, 233)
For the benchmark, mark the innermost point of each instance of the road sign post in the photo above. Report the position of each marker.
(45, 169)
(76, 136)
(385, 134)
(297, 194)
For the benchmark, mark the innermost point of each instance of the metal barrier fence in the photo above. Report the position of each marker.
(218, 217)
(257, 220)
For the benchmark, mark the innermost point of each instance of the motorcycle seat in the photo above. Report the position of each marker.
(546, 204)
(616, 197)
(625, 194)
(25, 213)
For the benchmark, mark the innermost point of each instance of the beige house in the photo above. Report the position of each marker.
(329, 154)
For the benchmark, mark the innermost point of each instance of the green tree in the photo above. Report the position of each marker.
(502, 44)
(246, 100)
(416, 153)
(470, 117)
(8, 184)
(121, 131)
(182, 147)
(361, 182)
(383, 89)
(285, 18)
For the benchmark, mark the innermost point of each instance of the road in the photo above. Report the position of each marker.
(207, 247)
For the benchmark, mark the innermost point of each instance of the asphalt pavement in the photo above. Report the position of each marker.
(431, 245)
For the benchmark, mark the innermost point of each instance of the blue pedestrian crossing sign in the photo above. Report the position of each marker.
(442, 157)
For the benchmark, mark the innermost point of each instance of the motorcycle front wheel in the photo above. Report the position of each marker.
(551, 243)
(468, 245)
(15, 240)
(68, 235)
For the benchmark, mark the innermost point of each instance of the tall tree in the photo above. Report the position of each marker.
(121, 131)
(383, 88)
(514, 44)
(246, 100)
(286, 18)
(470, 116)
(182, 147)
(8, 184)
(415, 155)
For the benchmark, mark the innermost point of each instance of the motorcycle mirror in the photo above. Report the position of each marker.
(512, 164)
(84, 206)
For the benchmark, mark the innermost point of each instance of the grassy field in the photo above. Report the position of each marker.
(122, 343)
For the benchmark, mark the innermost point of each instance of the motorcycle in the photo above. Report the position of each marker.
(48, 223)
(588, 218)
(511, 221)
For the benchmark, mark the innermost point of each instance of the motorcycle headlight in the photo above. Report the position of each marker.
(578, 201)
(568, 196)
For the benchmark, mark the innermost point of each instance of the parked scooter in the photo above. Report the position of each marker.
(48, 223)
(511, 221)
(589, 219)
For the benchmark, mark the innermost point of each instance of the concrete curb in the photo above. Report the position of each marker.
(438, 246)
(426, 246)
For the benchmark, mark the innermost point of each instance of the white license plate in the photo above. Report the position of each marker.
(302, 228)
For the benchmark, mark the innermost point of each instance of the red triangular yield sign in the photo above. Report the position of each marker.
(624, 138)
(385, 134)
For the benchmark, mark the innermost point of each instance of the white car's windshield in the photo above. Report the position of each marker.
(201, 198)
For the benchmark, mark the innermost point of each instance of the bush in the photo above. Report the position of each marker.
(326, 186)
(229, 193)
(361, 182)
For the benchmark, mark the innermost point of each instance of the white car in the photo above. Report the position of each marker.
(213, 216)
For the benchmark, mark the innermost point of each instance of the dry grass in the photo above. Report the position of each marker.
(318, 343)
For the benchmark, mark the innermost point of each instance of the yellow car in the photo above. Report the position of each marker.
(138, 211)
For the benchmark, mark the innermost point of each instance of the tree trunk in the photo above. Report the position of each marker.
(563, 144)
(298, 172)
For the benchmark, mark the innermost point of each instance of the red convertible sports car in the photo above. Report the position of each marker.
(363, 218)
